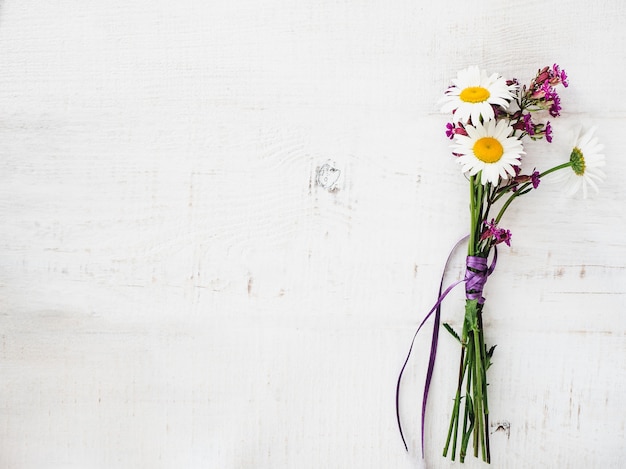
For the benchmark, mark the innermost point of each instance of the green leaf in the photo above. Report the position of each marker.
(451, 331)
(489, 354)
(471, 314)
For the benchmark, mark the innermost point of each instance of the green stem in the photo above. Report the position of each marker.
(468, 412)
(454, 420)
(483, 351)
(556, 168)
(479, 432)
(472, 236)
(522, 188)
(477, 201)
(479, 209)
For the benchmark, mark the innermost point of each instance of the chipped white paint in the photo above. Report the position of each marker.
(178, 292)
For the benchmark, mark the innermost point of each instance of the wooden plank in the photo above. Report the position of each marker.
(178, 291)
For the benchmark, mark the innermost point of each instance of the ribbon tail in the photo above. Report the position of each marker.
(406, 361)
(433, 349)
(435, 308)
(398, 393)
(431, 362)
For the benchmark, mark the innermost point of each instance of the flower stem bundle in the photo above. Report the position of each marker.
(490, 118)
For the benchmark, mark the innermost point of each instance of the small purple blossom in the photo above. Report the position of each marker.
(542, 87)
(534, 177)
(454, 129)
(498, 235)
(528, 125)
(497, 111)
(558, 76)
(513, 82)
(549, 93)
(555, 108)
(524, 178)
(450, 130)
(548, 132)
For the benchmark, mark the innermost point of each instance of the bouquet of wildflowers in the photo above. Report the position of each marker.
(490, 117)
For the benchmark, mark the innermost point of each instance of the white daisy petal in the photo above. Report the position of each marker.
(586, 159)
(472, 133)
(593, 184)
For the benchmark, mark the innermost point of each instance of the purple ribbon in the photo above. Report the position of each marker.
(476, 274)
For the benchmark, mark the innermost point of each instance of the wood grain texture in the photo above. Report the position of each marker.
(178, 292)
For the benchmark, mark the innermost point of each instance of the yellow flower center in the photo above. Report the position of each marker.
(474, 94)
(488, 149)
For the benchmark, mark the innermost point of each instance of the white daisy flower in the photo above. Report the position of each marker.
(473, 94)
(586, 160)
(487, 149)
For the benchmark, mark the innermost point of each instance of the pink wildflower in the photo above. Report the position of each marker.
(498, 235)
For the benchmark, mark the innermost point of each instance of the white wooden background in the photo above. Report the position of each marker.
(178, 292)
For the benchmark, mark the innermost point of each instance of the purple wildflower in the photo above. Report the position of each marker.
(512, 82)
(548, 94)
(548, 132)
(498, 235)
(555, 108)
(534, 177)
(548, 91)
(558, 76)
(524, 178)
(450, 130)
(454, 129)
(528, 125)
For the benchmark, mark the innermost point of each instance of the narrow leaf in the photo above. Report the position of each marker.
(451, 331)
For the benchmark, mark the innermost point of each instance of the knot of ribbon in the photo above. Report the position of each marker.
(476, 273)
